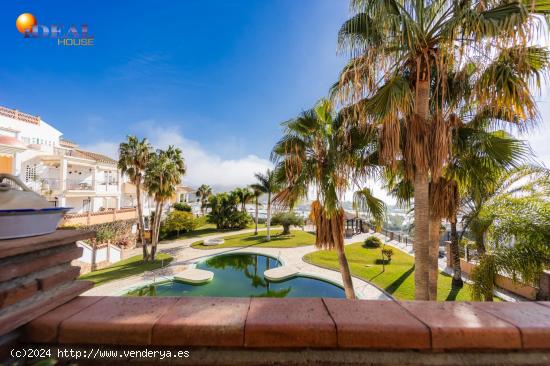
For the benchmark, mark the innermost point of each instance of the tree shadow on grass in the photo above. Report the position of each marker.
(453, 293)
(392, 287)
(123, 270)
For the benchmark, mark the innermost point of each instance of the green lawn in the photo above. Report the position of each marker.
(296, 238)
(398, 277)
(125, 268)
(209, 229)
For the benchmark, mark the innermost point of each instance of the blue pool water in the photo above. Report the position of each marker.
(242, 275)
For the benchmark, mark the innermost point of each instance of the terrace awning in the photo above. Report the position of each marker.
(11, 145)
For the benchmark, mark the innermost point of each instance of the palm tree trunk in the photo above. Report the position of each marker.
(140, 220)
(421, 236)
(155, 234)
(268, 238)
(434, 256)
(455, 253)
(256, 219)
(345, 271)
(154, 227)
(93, 266)
(158, 225)
(480, 245)
(422, 205)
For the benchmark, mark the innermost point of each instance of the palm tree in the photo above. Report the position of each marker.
(319, 151)
(267, 184)
(510, 222)
(477, 151)
(256, 191)
(401, 53)
(133, 158)
(204, 192)
(476, 159)
(162, 174)
(245, 196)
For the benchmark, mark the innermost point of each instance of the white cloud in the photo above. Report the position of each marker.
(203, 166)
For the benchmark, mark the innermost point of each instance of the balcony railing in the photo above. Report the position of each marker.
(47, 186)
(79, 185)
(110, 182)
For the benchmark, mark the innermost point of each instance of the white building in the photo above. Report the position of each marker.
(183, 194)
(67, 176)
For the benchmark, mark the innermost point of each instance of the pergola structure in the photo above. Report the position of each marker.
(354, 224)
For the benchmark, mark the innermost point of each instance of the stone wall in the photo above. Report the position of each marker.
(36, 276)
(100, 217)
(263, 331)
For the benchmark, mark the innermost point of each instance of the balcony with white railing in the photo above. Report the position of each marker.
(86, 184)
(107, 183)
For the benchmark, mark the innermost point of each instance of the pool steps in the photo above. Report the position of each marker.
(194, 275)
(280, 273)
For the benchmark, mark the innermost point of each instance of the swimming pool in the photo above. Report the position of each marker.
(242, 275)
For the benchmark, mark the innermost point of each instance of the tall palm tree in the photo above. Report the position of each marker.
(401, 52)
(319, 151)
(133, 158)
(476, 159)
(267, 184)
(163, 173)
(477, 150)
(204, 192)
(257, 192)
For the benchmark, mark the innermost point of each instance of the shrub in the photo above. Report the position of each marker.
(239, 220)
(181, 206)
(104, 234)
(373, 242)
(387, 252)
(225, 213)
(201, 221)
(119, 232)
(286, 219)
(177, 222)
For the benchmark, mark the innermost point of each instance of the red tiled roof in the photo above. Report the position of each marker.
(94, 156)
(15, 114)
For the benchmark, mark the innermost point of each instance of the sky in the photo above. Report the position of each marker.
(215, 78)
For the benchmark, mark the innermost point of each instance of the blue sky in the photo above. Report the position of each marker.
(215, 77)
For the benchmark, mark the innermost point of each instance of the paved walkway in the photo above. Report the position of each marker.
(185, 256)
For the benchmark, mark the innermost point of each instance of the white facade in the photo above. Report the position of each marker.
(66, 175)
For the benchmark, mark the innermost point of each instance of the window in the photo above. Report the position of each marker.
(86, 205)
(30, 173)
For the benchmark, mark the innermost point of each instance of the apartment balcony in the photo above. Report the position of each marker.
(45, 186)
(107, 186)
(80, 185)
(53, 186)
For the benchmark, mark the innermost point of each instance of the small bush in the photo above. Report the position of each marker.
(104, 234)
(176, 223)
(286, 219)
(373, 242)
(181, 206)
(387, 252)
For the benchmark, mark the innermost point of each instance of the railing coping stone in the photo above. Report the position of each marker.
(303, 323)
(12, 247)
